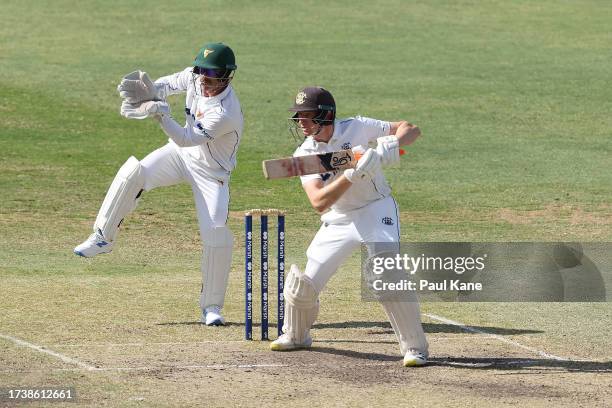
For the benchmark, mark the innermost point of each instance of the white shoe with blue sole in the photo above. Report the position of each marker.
(94, 245)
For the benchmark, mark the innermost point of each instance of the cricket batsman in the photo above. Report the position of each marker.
(202, 152)
(357, 207)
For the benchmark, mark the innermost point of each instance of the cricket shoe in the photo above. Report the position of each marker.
(287, 343)
(212, 316)
(415, 358)
(94, 245)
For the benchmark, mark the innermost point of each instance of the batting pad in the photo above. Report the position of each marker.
(216, 265)
(405, 319)
(121, 199)
(301, 304)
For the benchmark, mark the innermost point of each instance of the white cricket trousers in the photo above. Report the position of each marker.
(333, 243)
(166, 167)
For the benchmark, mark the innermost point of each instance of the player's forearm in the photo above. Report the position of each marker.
(329, 194)
(182, 136)
(171, 84)
(407, 133)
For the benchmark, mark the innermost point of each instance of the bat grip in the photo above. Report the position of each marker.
(359, 155)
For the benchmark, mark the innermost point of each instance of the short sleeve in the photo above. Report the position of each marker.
(373, 128)
(308, 177)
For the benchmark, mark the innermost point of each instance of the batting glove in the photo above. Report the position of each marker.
(366, 167)
(388, 150)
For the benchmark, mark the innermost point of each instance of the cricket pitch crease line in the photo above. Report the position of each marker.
(151, 368)
(500, 338)
(388, 340)
(50, 352)
(88, 367)
(184, 367)
(171, 343)
(492, 364)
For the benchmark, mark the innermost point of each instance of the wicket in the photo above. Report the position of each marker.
(248, 221)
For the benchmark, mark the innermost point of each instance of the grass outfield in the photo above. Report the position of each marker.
(514, 102)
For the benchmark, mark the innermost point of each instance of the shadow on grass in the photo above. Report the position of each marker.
(549, 365)
(354, 354)
(428, 327)
(493, 363)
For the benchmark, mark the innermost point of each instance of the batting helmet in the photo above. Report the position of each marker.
(315, 99)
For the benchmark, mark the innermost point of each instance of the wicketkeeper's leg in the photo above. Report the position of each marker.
(160, 168)
(216, 266)
(121, 199)
(212, 204)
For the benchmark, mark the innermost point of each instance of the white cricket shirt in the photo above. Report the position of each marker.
(213, 126)
(349, 133)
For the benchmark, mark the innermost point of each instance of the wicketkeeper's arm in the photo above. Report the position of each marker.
(199, 132)
(174, 83)
(184, 136)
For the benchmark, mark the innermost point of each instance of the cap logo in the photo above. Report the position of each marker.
(207, 51)
(300, 98)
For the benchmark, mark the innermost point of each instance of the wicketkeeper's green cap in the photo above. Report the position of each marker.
(216, 56)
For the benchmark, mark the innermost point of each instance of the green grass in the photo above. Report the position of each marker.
(513, 99)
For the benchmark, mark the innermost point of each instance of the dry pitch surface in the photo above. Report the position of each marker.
(134, 341)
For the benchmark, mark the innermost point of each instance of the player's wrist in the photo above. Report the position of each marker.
(349, 174)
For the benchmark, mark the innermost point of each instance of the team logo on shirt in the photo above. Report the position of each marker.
(387, 220)
(207, 52)
(202, 131)
(300, 98)
(346, 146)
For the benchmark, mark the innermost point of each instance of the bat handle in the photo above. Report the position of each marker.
(359, 155)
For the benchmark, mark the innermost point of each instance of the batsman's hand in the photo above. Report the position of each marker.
(150, 109)
(137, 87)
(388, 150)
(366, 168)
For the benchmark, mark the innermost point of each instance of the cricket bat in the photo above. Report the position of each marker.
(311, 164)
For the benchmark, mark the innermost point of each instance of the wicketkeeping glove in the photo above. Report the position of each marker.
(366, 167)
(137, 87)
(155, 109)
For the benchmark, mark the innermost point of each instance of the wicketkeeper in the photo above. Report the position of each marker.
(358, 208)
(202, 152)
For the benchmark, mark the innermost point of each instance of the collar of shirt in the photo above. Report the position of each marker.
(331, 145)
(220, 96)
